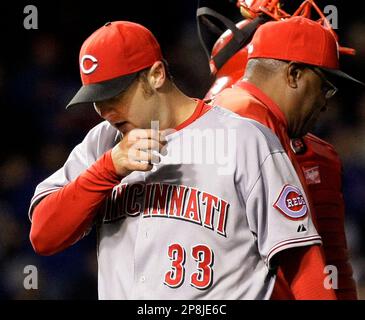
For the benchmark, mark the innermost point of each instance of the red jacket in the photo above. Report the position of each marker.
(318, 167)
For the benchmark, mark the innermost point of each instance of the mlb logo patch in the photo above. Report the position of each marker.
(312, 175)
(291, 203)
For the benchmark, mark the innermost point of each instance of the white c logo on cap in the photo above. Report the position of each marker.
(92, 68)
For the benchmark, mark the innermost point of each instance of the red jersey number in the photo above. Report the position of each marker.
(175, 277)
(202, 278)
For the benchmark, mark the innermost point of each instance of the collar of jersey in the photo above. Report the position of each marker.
(200, 109)
(261, 96)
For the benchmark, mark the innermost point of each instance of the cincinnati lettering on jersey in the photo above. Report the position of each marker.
(167, 201)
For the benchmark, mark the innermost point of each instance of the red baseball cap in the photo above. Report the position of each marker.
(111, 58)
(301, 40)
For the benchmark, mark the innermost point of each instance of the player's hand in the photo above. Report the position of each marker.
(138, 151)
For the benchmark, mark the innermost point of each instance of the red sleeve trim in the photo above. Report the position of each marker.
(305, 241)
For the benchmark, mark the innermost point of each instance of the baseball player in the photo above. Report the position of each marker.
(316, 159)
(174, 221)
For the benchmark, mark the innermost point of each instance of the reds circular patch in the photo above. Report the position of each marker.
(291, 203)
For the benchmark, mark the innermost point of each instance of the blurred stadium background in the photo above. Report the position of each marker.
(39, 74)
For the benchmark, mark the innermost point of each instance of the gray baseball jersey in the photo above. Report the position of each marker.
(206, 222)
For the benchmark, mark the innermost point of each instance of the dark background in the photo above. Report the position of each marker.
(39, 74)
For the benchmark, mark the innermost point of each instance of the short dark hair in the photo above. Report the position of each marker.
(263, 66)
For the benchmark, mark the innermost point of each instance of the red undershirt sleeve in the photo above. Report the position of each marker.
(63, 217)
(303, 269)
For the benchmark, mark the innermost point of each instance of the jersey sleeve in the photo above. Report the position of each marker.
(99, 140)
(278, 210)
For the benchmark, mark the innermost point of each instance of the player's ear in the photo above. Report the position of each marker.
(157, 75)
(294, 72)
